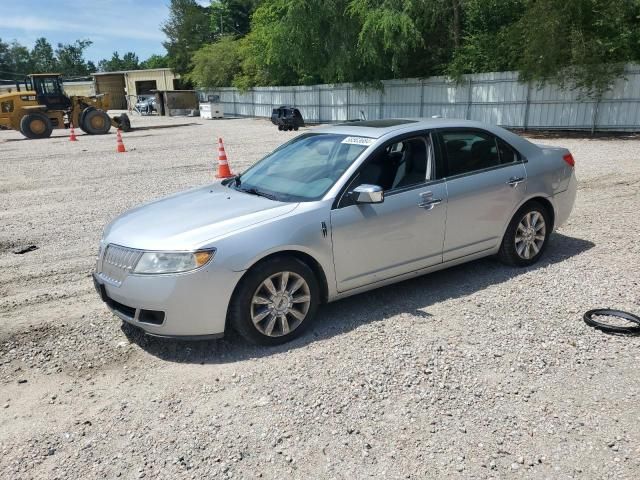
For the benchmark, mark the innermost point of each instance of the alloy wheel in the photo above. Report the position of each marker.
(530, 235)
(280, 304)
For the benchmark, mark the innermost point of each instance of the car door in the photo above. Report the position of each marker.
(404, 233)
(486, 181)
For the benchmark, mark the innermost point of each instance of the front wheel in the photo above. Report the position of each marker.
(275, 301)
(527, 236)
(96, 122)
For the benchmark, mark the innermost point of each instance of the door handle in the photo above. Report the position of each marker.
(429, 204)
(515, 181)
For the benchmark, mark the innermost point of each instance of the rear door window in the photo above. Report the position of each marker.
(507, 153)
(469, 150)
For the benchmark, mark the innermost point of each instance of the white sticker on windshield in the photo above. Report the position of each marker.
(359, 141)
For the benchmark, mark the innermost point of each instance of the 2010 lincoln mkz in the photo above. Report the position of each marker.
(334, 212)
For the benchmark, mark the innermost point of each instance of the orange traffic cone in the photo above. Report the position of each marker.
(120, 146)
(223, 164)
(72, 136)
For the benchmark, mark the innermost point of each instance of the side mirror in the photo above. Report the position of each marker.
(368, 194)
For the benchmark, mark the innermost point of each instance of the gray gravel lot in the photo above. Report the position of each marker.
(480, 371)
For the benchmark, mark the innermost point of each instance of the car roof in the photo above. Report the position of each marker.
(379, 128)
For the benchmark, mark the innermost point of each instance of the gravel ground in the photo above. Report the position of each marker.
(480, 371)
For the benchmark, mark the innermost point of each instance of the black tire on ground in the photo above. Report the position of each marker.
(240, 307)
(96, 122)
(280, 127)
(83, 116)
(124, 122)
(296, 128)
(508, 252)
(36, 125)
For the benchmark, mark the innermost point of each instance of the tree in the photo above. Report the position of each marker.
(70, 58)
(17, 61)
(216, 64)
(486, 44)
(42, 57)
(231, 17)
(187, 29)
(577, 43)
(298, 41)
(4, 60)
(155, 61)
(128, 62)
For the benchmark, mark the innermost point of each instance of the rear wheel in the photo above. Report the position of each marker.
(275, 302)
(96, 122)
(36, 125)
(526, 237)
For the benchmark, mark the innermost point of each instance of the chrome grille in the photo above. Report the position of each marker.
(117, 263)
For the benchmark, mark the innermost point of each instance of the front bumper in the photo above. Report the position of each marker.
(191, 305)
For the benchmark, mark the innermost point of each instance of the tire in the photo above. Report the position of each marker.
(96, 122)
(269, 328)
(296, 128)
(280, 127)
(523, 245)
(124, 122)
(36, 125)
(83, 115)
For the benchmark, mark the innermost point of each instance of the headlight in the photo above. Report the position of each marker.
(172, 262)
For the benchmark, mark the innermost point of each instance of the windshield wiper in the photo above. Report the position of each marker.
(255, 191)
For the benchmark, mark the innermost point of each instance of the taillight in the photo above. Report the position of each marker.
(569, 159)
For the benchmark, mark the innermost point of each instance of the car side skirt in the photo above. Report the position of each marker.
(416, 273)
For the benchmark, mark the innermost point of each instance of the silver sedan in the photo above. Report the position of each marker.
(334, 212)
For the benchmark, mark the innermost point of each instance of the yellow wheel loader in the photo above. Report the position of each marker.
(39, 105)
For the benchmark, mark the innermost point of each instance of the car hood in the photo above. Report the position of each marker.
(191, 219)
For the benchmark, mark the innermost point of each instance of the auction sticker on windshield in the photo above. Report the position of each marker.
(359, 141)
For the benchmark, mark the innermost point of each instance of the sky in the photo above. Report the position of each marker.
(122, 25)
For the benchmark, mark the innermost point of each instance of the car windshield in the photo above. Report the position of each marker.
(303, 169)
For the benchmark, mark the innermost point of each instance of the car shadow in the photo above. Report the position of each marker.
(408, 297)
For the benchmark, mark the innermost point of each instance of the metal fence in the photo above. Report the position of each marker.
(497, 98)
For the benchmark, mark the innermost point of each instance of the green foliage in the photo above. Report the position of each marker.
(388, 37)
(216, 64)
(70, 58)
(487, 38)
(42, 57)
(16, 60)
(128, 62)
(155, 61)
(187, 29)
(577, 43)
(231, 17)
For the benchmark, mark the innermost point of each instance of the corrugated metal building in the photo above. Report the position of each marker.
(81, 89)
(127, 85)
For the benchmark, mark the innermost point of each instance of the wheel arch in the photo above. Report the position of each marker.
(304, 257)
(547, 204)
